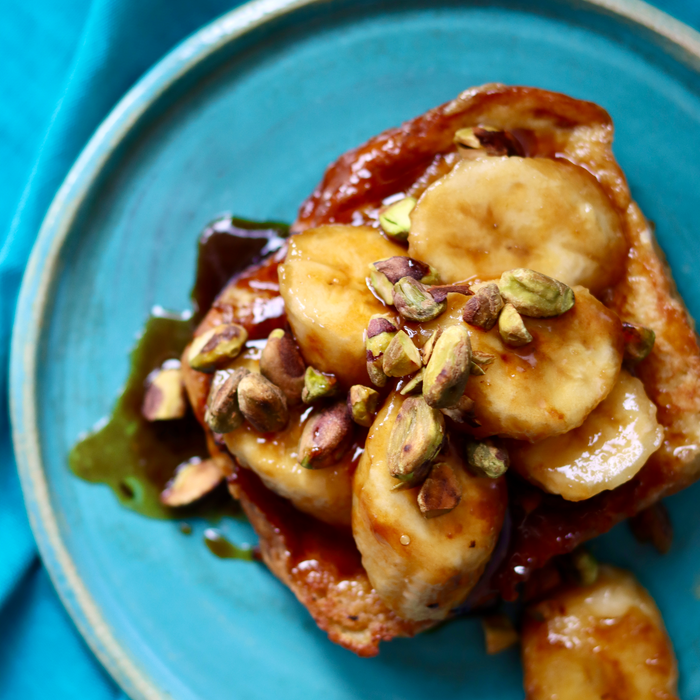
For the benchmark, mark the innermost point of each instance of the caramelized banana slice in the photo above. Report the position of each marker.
(611, 446)
(606, 640)
(421, 567)
(324, 493)
(492, 215)
(550, 385)
(324, 285)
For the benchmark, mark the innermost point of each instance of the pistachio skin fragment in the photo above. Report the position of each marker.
(223, 414)
(415, 441)
(480, 362)
(439, 292)
(318, 385)
(447, 372)
(441, 491)
(483, 308)
(653, 524)
(491, 141)
(413, 383)
(262, 404)
(215, 348)
(414, 301)
(399, 266)
(395, 219)
(639, 341)
(511, 328)
(401, 357)
(462, 412)
(193, 480)
(499, 633)
(380, 332)
(282, 363)
(165, 396)
(363, 403)
(326, 436)
(534, 294)
(485, 458)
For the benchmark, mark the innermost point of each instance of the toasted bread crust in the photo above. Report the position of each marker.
(408, 159)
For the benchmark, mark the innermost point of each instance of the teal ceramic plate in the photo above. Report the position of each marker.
(243, 117)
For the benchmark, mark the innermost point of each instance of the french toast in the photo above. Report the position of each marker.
(319, 560)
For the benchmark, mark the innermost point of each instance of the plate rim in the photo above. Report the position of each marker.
(199, 47)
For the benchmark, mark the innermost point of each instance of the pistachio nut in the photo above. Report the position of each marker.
(381, 285)
(499, 633)
(318, 385)
(363, 403)
(282, 363)
(415, 441)
(222, 414)
(262, 403)
(480, 362)
(215, 348)
(485, 458)
(427, 349)
(192, 480)
(395, 219)
(488, 140)
(583, 567)
(400, 266)
(441, 492)
(165, 396)
(639, 341)
(401, 357)
(462, 412)
(380, 332)
(511, 328)
(534, 294)
(483, 308)
(413, 383)
(447, 372)
(326, 436)
(414, 301)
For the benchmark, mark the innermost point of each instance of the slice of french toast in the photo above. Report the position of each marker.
(406, 161)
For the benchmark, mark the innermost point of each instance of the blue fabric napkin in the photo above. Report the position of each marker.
(64, 67)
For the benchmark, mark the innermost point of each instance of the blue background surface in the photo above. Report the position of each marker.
(64, 66)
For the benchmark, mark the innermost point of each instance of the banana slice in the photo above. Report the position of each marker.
(324, 285)
(550, 385)
(611, 446)
(325, 494)
(606, 640)
(495, 214)
(421, 568)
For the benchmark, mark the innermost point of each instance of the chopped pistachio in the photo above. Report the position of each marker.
(400, 266)
(480, 362)
(165, 396)
(282, 363)
(215, 348)
(441, 491)
(511, 328)
(383, 288)
(483, 308)
(395, 219)
(639, 341)
(318, 385)
(401, 357)
(447, 372)
(263, 404)
(363, 403)
(380, 332)
(222, 414)
(485, 458)
(415, 441)
(192, 480)
(499, 633)
(427, 349)
(584, 567)
(463, 412)
(414, 301)
(413, 383)
(534, 294)
(326, 436)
